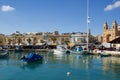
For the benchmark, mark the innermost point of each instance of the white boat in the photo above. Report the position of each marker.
(61, 49)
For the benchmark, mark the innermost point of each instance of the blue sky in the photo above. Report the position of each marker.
(60, 15)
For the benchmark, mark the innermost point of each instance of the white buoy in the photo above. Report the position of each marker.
(68, 73)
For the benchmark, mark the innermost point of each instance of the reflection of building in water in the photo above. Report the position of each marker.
(115, 67)
(111, 64)
(115, 60)
(80, 61)
(105, 64)
(15, 55)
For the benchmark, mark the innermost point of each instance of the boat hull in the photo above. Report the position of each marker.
(32, 57)
(58, 51)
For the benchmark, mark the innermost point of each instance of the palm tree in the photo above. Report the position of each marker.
(42, 41)
(34, 41)
(53, 39)
(66, 41)
(29, 40)
(1, 42)
(9, 41)
(19, 40)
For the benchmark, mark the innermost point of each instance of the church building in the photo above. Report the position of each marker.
(110, 34)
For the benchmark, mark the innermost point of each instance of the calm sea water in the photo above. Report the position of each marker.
(60, 67)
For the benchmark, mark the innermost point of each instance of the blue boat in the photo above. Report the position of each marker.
(77, 50)
(32, 57)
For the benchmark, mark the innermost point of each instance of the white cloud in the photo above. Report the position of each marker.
(6, 8)
(112, 6)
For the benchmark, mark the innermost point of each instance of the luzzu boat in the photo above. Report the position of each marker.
(32, 57)
(77, 50)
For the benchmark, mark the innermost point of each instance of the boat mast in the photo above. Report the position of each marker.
(88, 22)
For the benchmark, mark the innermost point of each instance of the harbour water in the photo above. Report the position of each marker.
(60, 67)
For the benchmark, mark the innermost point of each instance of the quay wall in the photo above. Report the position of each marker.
(112, 53)
(35, 50)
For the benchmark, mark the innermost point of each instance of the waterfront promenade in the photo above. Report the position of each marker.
(112, 53)
(48, 48)
(108, 52)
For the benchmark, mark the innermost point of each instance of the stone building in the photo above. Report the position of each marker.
(50, 38)
(98, 39)
(79, 37)
(55, 39)
(34, 38)
(15, 39)
(110, 34)
(2, 39)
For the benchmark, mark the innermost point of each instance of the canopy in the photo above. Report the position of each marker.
(115, 41)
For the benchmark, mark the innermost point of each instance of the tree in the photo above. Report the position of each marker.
(1, 42)
(29, 40)
(66, 41)
(39, 33)
(56, 33)
(34, 41)
(9, 41)
(19, 40)
(53, 39)
(42, 41)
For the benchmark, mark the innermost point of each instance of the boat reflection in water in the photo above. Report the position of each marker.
(31, 65)
(3, 54)
(32, 57)
(111, 64)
